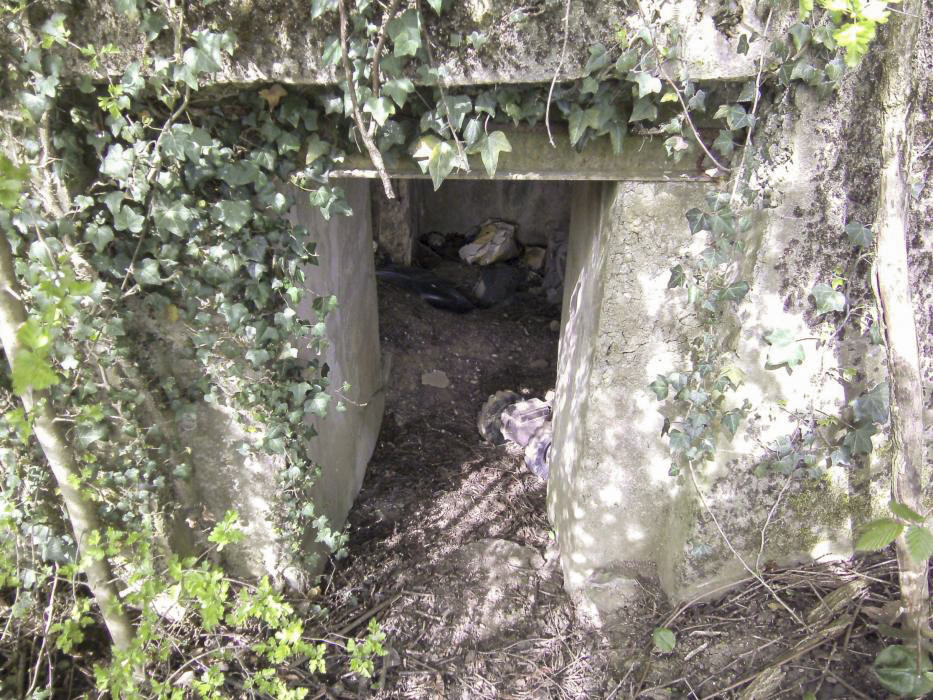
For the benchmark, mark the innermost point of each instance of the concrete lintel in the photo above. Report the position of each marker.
(643, 159)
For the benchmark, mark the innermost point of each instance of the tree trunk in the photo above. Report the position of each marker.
(896, 305)
(60, 456)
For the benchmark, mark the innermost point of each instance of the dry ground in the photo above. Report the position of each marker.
(437, 503)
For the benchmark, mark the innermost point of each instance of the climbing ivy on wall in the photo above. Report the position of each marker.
(145, 217)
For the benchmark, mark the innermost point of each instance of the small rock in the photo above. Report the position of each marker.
(533, 258)
(436, 240)
(554, 326)
(495, 242)
(435, 378)
(538, 364)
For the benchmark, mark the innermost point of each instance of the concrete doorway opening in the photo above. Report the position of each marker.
(462, 319)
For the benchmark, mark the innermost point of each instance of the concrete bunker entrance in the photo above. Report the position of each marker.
(609, 498)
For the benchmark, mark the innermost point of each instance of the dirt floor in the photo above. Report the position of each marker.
(452, 552)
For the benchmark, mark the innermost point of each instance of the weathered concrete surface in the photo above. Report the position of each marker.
(609, 495)
(222, 477)
(346, 439)
(643, 159)
(540, 210)
(521, 42)
(395, 222)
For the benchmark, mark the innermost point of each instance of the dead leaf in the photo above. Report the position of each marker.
(272, 95)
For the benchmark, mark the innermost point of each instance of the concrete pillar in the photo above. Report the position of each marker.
(610, 498)
(346, 439)
(395, 221)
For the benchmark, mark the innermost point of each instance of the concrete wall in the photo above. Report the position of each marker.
(540, 209)
(346, 439)
(224, 479)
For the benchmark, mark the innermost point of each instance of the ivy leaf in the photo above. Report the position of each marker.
(878, 534)
(457, 106)
(625, 62)
(664, 639)
(598, 59)
(405, 32)
(398, 89)
(472, 133)
(801, 34)
(318, 404)
(919, 543)
(437, 6)
(896, 669)
(315, 148)
(380, 107)
(859, 236)
(735, 292)
(784, 349)
(742, 48)
(730, 422)
(859, 440)
(647, 83)
(873, 405)
(735, 115)
(804, 70)
(491, 146)
(828, 299)
(118, 163)
(678, 277)
(905, 512)
(128, 219)
(173, 218)
(577, 122)
(319, 7)
(805, 8)
(147, 273)
(749, 91)
(659, 387)
(697, 101)
(99, 236)
(644, 109)
(698, 220)
(12, 179)
(31, 370)
(232, 213)
(724, 143)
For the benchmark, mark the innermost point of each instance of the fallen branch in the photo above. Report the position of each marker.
(371, 149)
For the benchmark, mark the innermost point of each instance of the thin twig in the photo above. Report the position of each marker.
(748, 134)
(560, 63)
(764, 527)
(737, 555)
(360, 619)
(673, 86)
(374, 155)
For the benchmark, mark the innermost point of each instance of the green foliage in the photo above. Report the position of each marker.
(664, 639)
(362, 651)
(904, 671)
(178, 224)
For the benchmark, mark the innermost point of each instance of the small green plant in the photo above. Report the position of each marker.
(364, 650)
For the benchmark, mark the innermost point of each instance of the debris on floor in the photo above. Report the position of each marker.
(506, 417)
(494, 243)
(435, 378)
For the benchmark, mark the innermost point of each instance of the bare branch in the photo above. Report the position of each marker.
(371, 149)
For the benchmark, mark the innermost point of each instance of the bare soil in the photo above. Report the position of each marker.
(439, 506)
